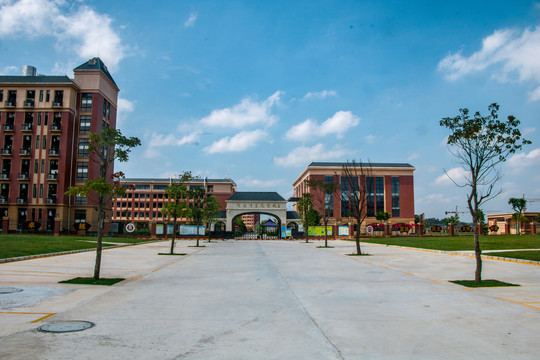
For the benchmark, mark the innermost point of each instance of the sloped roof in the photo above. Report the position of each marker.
(96, 64)
(39, 79)
(256, 196)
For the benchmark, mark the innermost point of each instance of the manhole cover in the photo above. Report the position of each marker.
(66, 326)
(9, 290)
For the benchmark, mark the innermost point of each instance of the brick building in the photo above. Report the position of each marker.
(44, 136)
(390, 188)
(143, 204)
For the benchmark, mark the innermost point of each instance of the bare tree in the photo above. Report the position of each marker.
(321, 195)
(354, 192)
(480, 144)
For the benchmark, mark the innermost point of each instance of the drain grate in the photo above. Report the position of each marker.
(9, 290)
(66, 326)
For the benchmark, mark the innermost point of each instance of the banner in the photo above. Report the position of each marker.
(190, 230)
(159, 229)
(319, 230)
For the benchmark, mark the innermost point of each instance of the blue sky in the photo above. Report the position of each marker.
(256, 90)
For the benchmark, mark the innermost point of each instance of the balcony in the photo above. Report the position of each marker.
(4, 176)
(56, 104)
(55, 127)
(54, 152)
(50, 200)
(9, 103)
(3, 200)
(6, 151)
(26, 127)
(25, 152)
(8, 127)
(29, 103)
(23, 176)
(22, 200)
(52, 176)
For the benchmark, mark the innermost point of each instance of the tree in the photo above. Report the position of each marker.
(480, 144)
(211, 209)
(382, 216)
(104, 149)
(177, 206)
(196, 203)
(451, 220)
(323, 195)
(240, 226)
(518, 204)
(355, 196)
(305, 204)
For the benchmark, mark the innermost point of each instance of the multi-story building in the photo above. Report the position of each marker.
(144, 198)
(44, 137)
(251, 220)
(389, 187)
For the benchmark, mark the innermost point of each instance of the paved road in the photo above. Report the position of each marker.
(277, 300)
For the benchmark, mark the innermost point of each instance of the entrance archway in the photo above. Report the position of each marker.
(255, 229)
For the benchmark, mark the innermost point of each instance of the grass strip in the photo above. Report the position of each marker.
(363, 254)
(324, 247)
(483, 283)
(92, 281)
(179, 254)
(533, 255)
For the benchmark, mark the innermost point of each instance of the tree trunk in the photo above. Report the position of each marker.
(478, 256)
(325, 233)
(197, 232)
(99, 247)
(173, 236)
(357, 237)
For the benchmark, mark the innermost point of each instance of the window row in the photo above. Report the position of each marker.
(11, 97)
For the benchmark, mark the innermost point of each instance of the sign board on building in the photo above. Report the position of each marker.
(130, 227)
(369, 229)
(190, 230)
(319, 230)
(343, 230)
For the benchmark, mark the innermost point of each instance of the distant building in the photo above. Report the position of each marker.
(144, 204)
(44, 136)
(251, 220)
(506, 225)
(390, 188)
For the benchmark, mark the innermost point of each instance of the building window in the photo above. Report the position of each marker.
(80, 200)
(83, 148)
(86, 102)
(37, 141)
(40, 190)
(370, 196)
(39, 119)
(395, 197)
(40, 95)
(84, 127)
(48, 96)
(34, 191)
(80, 216)
(82, 171)
(35, 166)
(347, 188)
(44, 141)
(46, 120)
(42, 166)
(329, 198)
(379, 194)
(1, 95)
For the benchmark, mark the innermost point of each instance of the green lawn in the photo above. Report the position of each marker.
(15, 245)
(523, 255)
(457, 243)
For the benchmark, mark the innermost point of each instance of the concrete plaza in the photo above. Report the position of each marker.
(270, 300)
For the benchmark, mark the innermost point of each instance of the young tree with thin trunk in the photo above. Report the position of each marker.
(210, 211)
(197, 199)
(177, 205)
(518, 204)
(354, 192)
(480, 144)
(103, 150)
(305, 204)
(322, 194)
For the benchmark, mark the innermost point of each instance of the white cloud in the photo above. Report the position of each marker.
(302, 156)
(190, 22)
(160, 140)
(124, 107)
(527, 131)
(9, 70)
(320, 94)
(239, 142)
(79, 29)
(413, 156)
(516, 54)
(245, 113)
(370, 139)
(457, 174)
(338, 124)
(523, 160)
(249, 182)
